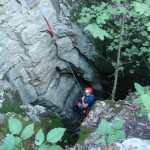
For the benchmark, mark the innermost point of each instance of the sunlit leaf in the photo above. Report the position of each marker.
(141, 7)
(15, 126)
(102, 140)
(118, 124)
(27, 132)
(105, 128)
(138, 100)
(139, 88)
(146, 100)
(17, 140)
(148, 26)
(39, 137)
(111, 139)
(55, 147)
(44, 147)
(120, 134)
(55, 135)
(9, 143)
(96, 31)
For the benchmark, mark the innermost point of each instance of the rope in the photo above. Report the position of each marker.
(53, 33)
(75, 78)
(46, 20)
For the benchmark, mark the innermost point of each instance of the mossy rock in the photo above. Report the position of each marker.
(47, 123)
(84, 133)
(53, 121)
(11, 106)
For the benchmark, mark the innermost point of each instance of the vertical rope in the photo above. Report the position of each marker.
(46, 20)
(75, 77)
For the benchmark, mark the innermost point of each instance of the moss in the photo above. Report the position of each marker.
(53, 121)
(84, 133)
(11, 106)
(5, 77)
(112, 104)
(109, 102)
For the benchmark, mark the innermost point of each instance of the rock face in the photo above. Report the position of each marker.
(134, 143)
(35, 64)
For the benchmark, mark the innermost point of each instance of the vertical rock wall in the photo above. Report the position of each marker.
(34, 63)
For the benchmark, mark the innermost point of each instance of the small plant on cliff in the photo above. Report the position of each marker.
(110, 133)
(17, 137)
(143, 100)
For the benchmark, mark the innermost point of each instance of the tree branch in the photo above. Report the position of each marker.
(118, 58)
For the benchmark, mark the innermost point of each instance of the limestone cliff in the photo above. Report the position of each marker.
(34, 63)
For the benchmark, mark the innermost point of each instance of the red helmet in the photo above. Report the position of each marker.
(89, 90)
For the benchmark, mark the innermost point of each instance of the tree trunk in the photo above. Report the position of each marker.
(118, 58)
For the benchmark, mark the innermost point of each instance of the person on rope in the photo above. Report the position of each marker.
(86, 102)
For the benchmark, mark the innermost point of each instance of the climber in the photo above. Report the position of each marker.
(86, 102)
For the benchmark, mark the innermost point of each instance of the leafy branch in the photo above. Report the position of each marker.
(17, 136)
(128, 45)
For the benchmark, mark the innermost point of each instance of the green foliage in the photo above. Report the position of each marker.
(118, 124)
(27, 131)
(9, 142)
(110, 133)
(96, 31)
(19, 135)
(15, 126)
(11, 106)
(142, 8)
(44, 147)
(55, 135)
(143, 100)
(84, 133)
(103, 21)
(105, 128)
(55, 147)
(139, 88)
(39, 137)
(17, 140)
(148, 26)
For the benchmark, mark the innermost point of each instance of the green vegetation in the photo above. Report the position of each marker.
(84, 133)
(126, 27)
(18, 135)
(143, 100)
(11, 106)
(110, 133)
(24, 134)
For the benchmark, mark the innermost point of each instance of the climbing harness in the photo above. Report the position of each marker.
(34, 3)
(75, 77)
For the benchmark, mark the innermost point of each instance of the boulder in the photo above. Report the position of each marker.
(134, 143)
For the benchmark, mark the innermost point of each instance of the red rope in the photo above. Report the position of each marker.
(51, 30)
